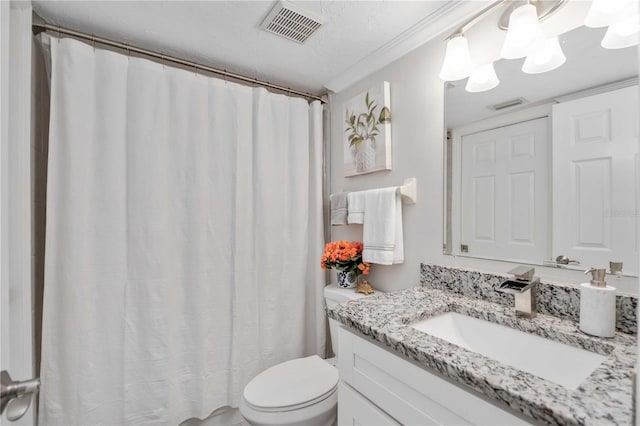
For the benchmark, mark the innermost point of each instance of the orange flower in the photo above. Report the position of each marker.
(344, 256)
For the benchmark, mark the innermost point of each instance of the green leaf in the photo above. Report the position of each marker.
(385, 115)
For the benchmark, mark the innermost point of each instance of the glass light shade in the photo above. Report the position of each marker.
(622, 34)
(605, 12)
(545, 56)
(457, 61)
(483, 78)
(524, 30)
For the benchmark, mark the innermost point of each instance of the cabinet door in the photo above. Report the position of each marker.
(354, 409)
(595, 157)
(409, 394)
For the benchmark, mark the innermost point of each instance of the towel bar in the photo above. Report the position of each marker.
(408, 191)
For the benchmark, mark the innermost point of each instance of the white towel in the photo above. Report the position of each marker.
(339, 203)
(356, 207)
(382, 230)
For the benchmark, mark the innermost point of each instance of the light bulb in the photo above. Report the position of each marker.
(524, 30)
(546, 55)
(483, 78)
(605, 12)
(457, 61)
(622, 34)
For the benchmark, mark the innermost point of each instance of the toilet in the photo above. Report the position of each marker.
(302, 391)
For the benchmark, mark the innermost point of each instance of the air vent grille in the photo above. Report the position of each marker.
(291, 22)
(507, 104)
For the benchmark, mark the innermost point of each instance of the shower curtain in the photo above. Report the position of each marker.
(184, 228)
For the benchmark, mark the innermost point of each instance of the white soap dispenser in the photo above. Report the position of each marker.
(597, 305)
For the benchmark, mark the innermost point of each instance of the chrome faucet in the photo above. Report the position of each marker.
(524, 288)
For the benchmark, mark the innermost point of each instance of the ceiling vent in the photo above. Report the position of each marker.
(507, 104)
(291, 22)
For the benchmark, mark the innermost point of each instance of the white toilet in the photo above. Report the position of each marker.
(303, 391)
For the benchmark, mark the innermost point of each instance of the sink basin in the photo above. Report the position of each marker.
(562, 364)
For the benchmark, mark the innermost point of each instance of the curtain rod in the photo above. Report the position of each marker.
(39, 27)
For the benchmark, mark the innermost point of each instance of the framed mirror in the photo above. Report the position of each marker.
(543, 169)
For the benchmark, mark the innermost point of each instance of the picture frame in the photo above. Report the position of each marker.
(367, 131)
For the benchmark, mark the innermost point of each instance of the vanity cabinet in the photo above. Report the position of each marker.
(381, 388)
(355, 409)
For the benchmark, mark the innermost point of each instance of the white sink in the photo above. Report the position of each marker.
(562, 364)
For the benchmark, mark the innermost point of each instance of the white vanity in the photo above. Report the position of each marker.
(377, 387)
(395, 369)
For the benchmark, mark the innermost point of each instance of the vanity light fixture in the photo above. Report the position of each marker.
(545, 56)
(524, 38)
(603, 13)
(482, 78)
(457, 60)
(622, 34)
(622, 18)
(524, 31)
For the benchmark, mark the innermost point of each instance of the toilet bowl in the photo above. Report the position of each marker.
(298, 392)
(302, 391)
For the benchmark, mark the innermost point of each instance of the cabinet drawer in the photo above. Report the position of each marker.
(354, 409)
(410, 394)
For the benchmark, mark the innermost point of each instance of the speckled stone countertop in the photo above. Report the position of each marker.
(603, 398)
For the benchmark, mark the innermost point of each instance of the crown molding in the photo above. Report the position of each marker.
(450, 15)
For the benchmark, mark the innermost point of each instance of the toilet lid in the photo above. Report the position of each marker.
(291, 383)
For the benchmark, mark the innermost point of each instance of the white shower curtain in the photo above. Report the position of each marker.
(184, 228)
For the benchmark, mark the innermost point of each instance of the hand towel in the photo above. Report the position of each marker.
(356, 207)
(382, 230)
(339, 203)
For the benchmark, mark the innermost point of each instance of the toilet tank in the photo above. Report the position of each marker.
(332, 296)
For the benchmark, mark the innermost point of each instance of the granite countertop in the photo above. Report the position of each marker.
(603, 398)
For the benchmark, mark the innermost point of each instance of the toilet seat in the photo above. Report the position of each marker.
(300, 391)
(295, 406)
(291, 385)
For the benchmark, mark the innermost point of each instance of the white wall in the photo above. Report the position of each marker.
(417, 151)
(417, 138)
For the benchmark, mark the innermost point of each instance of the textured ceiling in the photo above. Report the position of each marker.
(226, 34)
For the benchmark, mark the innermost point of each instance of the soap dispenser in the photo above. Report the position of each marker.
(597, 305)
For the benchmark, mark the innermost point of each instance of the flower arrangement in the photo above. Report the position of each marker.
(345, 256)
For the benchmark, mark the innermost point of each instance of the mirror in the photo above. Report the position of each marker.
(543, 168)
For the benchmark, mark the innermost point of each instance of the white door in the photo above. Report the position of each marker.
(504, 186)
(15, 224)
(595, 163)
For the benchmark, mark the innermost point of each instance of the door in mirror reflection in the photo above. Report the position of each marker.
(595, 157)
(504, 201)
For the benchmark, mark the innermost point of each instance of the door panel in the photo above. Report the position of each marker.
(595, 169)
(15, 198)
(505, 175)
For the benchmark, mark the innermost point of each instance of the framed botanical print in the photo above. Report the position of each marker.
(367, 131)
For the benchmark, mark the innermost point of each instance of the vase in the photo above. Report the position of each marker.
(365, 156)
(346, 279)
